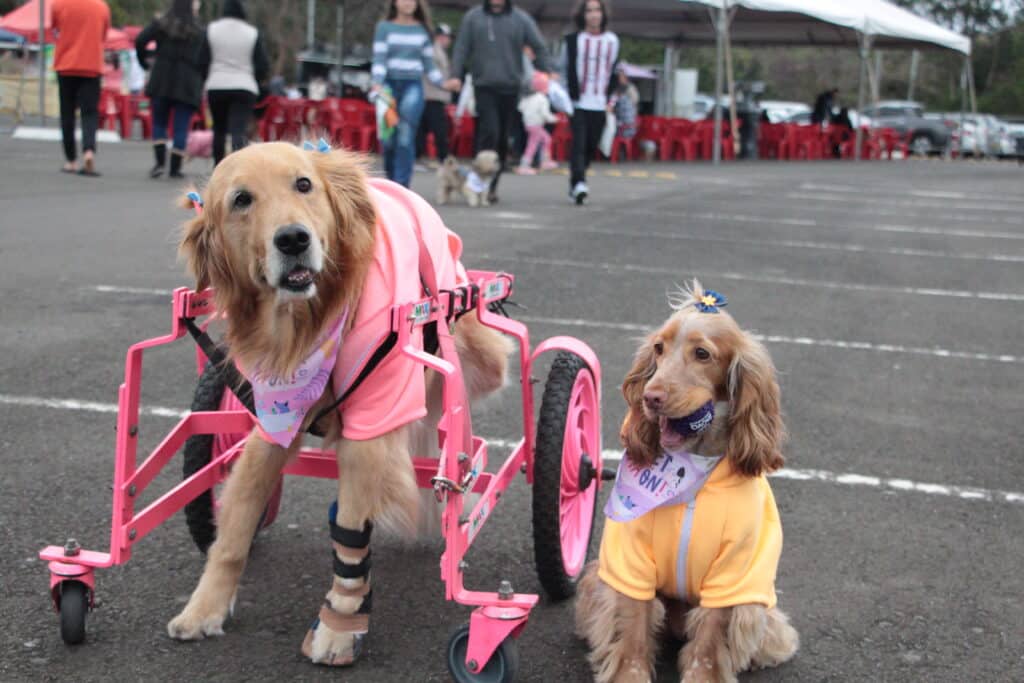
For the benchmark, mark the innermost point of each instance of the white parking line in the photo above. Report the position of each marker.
(915, 203)
(773, 338)
(768, 279)
(771, 244)
(607, 455)
(801, 341)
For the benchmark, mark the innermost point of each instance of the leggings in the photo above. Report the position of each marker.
(79, 92)
(231, 111)
(537, 136)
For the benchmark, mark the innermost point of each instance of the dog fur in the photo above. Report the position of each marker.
(451, 180)
(670, 378)
(231, 247)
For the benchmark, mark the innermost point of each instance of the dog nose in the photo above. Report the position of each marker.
(654, 400)
(292, 239)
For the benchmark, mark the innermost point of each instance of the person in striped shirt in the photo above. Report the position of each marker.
(589, 60)
(403, 54)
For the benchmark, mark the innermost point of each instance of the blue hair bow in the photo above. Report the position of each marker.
(710, 301)
(322, 146)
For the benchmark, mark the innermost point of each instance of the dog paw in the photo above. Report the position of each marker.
(340, 646)
(193, 625)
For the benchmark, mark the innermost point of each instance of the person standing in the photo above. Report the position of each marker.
(823, 104)
(435, 111)
(175, 80)
(403, 55)
(590, 58)
(234, 59)
(536, 111)
(490, 46)
(81, 27)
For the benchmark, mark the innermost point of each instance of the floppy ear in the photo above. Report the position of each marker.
(639, 435)
(756, 430)
(351, 245)
(200, 248)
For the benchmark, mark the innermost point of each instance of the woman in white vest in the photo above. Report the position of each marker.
(237, 64)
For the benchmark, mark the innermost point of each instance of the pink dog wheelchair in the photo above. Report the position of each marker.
(560, 457)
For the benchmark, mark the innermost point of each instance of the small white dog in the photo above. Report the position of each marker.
(474, 182)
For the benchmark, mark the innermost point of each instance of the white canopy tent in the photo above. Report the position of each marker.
(828, 23)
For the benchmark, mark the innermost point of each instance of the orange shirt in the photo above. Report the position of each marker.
(82, 27)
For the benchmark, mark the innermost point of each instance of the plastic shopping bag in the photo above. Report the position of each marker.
(608, 134)
(387, 114)
(560, 100)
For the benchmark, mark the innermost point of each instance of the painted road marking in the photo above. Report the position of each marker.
(609, 455)
(793, 244)
(768, 279)
(890, 202)
(771, 339)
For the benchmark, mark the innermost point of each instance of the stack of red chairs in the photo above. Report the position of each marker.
(770, 136)
(681, 140)
(705, 135)
(561, 138)
(282, 119)
(892, 141)
(463, 135)
(110, 109)
(359, 131)
(136, 108)
(330, 120)
(802, 142)
(655, 129)
(870, 147)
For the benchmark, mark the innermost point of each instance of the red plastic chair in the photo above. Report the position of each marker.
(561, 138)
(770, 136)
(620, 143)
(110, 110)
(462, 137)
(802, 142)
(136, 108)
(681, 140)
(704, 132)
(282, 119)
(359, 130)
(330, 120)
(655, 129)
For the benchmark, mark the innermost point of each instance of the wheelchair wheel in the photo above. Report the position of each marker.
(74, 604)
(567, 463)
(211, 394)
(501, 667)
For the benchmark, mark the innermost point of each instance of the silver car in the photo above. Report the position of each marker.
(926, 136)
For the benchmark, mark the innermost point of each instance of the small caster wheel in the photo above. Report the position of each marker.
(501, 668)
(74, 603)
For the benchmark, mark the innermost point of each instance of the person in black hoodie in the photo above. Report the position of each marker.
(490, 47)
(589, 59)
(175, 80)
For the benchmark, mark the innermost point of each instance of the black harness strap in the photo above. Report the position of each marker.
(378, 355)
(350, 538)
(233, 379)
(352, 571)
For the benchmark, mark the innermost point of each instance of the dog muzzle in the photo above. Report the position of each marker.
(696, 422)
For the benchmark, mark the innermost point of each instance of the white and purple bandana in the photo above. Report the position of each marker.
(282, 403)
(673, 478)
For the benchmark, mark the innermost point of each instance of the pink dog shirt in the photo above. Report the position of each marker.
(394, 394)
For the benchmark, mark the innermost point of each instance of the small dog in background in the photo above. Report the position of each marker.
(474, 182)
(692, 536)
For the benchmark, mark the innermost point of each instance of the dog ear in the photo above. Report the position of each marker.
(200, 247)
(756, 430)
(351, 247)
(638, 435)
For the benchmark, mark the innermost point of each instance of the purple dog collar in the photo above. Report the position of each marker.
(694, 423)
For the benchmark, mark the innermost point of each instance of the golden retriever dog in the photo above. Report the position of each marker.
(692, 537)
(289, 239)
(473, 183)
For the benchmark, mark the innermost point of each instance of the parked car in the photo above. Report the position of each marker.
(778, 111)
(927, 136)
(803, 118)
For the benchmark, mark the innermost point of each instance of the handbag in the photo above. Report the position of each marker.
(608, 134)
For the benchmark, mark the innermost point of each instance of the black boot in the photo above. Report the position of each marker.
(176, 159)
(160, 154)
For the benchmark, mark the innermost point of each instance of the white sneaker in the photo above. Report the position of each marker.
(579, 192)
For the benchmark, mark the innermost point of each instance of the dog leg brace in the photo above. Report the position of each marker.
(345, 614)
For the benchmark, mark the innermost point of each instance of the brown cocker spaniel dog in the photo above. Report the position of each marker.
(692, 537)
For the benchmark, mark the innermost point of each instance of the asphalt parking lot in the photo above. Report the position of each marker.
(890, 295)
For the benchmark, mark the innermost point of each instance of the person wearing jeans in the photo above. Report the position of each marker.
(78, 61)
(490, 46)
(175, 85)
(236, 63)
(403, 54)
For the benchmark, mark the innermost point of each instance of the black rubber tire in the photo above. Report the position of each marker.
(547, 477)
(198, 450)
(74, 604)
(501, 667)
(919, 136)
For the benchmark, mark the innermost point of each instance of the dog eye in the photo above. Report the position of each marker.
(243, 200)
(304, 185)
(702, 354)
(659, 348)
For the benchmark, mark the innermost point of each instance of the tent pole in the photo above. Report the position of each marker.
(915, 59)
(339, 23)
(865, 49)
(42, 62)
(963, 105)
(970, 85)
(731, 86)
(716, 155)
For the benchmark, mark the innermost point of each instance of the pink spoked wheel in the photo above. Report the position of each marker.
(567, 463)
(201, 514)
